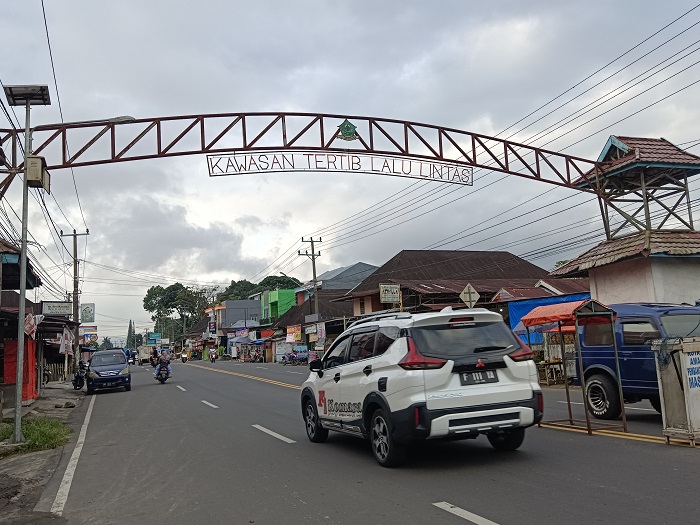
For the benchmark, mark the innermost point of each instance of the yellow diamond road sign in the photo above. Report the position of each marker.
(469, 296)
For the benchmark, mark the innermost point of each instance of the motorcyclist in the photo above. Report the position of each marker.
(164, 360)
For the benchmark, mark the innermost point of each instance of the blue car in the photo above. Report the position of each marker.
(108, 369)
(636, 325)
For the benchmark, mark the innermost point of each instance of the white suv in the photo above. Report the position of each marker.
(397, 378)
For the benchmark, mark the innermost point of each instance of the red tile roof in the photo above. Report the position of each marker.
(642, 152)
(643, 244)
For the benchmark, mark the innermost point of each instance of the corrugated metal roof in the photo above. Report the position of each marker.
(643, 244)
(433, 266)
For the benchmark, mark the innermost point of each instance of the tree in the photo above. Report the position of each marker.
(243, 289)
(130, 335)
(106, 344)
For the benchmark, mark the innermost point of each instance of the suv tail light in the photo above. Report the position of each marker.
(413, 360)
(523, 353)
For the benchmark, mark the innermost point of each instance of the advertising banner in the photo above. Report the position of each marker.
(87, 313)
(66, 342)
(294, 333)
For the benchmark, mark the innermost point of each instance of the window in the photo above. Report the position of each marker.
(450, 342)
(336, 356)
(362, 346)
(598, 335)
(362, 305)
(686, 325)
(385, 338)
(639, 333)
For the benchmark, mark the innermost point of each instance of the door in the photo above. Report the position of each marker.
(637, 363)
(328, 395)
(358, 379)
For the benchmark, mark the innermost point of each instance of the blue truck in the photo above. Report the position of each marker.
(636, 325)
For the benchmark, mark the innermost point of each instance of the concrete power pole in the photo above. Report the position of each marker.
(76, 343)
(313, 255)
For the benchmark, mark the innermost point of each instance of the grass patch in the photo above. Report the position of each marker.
(40, 433)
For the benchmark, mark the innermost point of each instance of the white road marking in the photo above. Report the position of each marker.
(64, 488)
(626, 408)
(274, 434)
(181, 388)
(469, 516)
(293, 372)
(209, 404)
(263, 367)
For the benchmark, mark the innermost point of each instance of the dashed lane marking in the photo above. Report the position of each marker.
(465, 514)
(263, 367)
(184, 390)
(209, 404)
(293, 372)
(274, 434)
(255, 378)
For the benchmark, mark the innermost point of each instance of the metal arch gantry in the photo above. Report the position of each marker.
(104, 143)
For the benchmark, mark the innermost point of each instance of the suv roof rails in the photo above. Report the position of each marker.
(395, 315)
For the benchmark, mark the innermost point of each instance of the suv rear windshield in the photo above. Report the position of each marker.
(686, 325)
(446, 342)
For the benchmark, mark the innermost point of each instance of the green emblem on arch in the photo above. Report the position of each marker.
(347, 130)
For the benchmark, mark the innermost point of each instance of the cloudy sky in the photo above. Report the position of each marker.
(472, 65)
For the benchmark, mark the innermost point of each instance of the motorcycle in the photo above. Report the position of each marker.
(79, 376)
(184, 358)
(154, 361)
(163, 374)
(213, 357)
(257, 357)
(289, 359)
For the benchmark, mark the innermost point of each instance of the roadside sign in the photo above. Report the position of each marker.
(469, 296)
(56, 308)
(389, 293)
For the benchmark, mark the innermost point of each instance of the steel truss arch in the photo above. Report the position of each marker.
(88, 144)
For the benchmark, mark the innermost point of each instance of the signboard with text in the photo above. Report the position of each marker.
(281, 161)
(389, 293)
(56, 308)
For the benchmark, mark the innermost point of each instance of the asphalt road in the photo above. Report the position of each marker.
(198, 450)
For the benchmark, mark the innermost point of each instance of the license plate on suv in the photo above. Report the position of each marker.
(478, 378)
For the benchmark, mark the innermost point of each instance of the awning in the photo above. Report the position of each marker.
(566, 314)
(239, 339)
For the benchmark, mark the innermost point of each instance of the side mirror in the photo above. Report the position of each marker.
(316, 365)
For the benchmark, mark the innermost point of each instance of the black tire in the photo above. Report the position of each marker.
(656, 403)
(127, 388)
(602, 397)
(386, 450)
(507, 441)
(314, 431)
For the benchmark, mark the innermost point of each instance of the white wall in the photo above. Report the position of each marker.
(676, 280)
(653, 279)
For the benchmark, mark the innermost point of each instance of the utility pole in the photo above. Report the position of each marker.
(313, 255)
(76, 342)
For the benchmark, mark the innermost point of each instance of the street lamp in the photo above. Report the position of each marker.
(24, 96)
(31, 95)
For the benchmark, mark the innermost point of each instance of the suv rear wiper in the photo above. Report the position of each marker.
(488, 348)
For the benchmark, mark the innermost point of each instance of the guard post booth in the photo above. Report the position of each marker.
(678, 372)
(575, 314)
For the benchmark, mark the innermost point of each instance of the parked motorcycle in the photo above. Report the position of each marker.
(184, 358)
(163, 375)
(289, 359)
(79, 376)
(257, 357)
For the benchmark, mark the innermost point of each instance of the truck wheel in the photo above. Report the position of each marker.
(602, 397)
(507, 441)
(386, 450)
